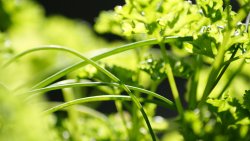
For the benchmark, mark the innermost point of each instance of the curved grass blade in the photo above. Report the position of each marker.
(110, 75)
(86, 100)
(167, 102)
(114, 51)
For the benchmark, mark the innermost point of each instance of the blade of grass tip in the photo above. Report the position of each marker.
(110, 75)
(114, 51)
(35, 92)
(87, 100)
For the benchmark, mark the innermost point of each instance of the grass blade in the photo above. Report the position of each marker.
(167, 102)
(114, 51)
(86, 100)
(110, 75)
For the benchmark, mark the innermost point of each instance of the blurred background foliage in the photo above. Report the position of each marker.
(24, 25)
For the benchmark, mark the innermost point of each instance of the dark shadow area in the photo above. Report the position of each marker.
(76, 9)
(165, 90)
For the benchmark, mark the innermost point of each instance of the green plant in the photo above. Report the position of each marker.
(208, 47)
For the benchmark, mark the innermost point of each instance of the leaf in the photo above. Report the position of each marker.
(220, 104)
(108, 22)
(156, 68)
(125, 75)
(212, 9)
(152, 19)
(5, 17)
(246, 99)
(207, 41)
(230, 110)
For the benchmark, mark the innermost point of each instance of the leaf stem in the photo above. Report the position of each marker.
(213, 75)
(171, 80)
(216, 67)
(225, 68)
(73, 114)
(192, 99)
(231, 77)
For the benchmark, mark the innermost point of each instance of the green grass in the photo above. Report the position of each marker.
(208, 48)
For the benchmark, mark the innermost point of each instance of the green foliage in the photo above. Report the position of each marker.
(157, 70)
(247, 99)
(224, 119)
(4, 17)
(212, 9)
(149, 19)
(205, 43)
(21, 121)
(125, 75)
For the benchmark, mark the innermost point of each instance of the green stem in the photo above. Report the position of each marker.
(225, 68)
(212, 76)
(73, 114)
(117, 50)
(169, 103)
(231, 77)
(87, 100)
(192, 99)
(119, 108)
(136, 119)
(171, 80)
(93, 99)
(219, 58)
(106, 72)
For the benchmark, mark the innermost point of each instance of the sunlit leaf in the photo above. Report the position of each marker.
(156, 68)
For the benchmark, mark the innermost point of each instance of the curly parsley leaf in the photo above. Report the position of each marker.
(246, 98)
(212, 9)
(125, 75)
(156, 68)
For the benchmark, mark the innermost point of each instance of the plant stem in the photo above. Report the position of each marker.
(192, 99)
(80, 64)
(86, 100)
(213, 74)
(171, 80)
(219, 60)
(167, 102)
(231, 77)
(225, 67)
(73, 114)
(110, 75)
(119, 108)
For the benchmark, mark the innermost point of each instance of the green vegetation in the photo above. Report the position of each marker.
(205, 43)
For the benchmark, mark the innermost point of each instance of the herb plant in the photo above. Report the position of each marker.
(204, 42)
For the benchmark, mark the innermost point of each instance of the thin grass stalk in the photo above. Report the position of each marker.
(106, 72)
(35, 92)
(114, 51)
